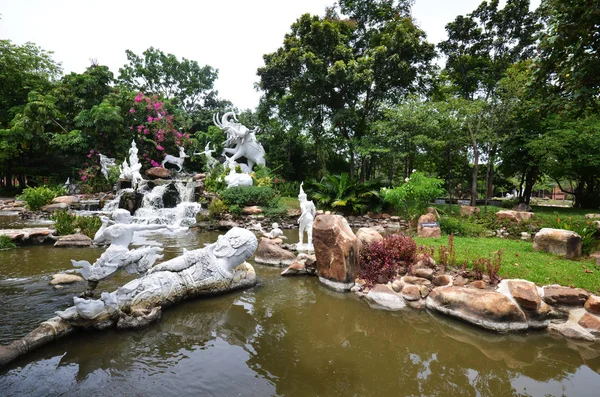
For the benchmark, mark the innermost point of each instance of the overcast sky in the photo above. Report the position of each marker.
(230, 35)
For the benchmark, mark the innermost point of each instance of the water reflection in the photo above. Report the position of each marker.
(294, 337)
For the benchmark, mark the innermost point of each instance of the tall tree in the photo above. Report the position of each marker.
(333, 74)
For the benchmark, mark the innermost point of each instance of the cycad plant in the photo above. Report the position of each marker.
(341, 193)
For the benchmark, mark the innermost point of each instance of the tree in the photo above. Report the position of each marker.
(332, 75)
(165, 75)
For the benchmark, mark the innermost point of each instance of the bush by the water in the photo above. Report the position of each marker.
(66, 223)
(6, 243)
(381, 260)
(37, 197)
(243, 196)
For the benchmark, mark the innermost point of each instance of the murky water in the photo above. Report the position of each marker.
(286, 337)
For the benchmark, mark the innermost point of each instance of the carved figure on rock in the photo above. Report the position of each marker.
(275, 232)
(118, 256)
(131, 171)
(106, 163)
(177, 161)
(306, 220)
(235, 179)
(243, 138)
(210, 270)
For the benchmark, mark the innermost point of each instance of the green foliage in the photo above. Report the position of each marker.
(88, 225)
(286, 188)
(216, 208)
(262, 176)
(64, 222)
(509, 203)
(584, 227)
(243, 196)
(413, 197)
(37, 197)
(6, 243)
(460, 227)
(215, 180)
(341, 193)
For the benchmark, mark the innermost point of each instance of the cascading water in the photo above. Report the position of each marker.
(153, 210)
(113, 204)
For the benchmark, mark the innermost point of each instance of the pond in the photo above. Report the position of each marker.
(285, 337)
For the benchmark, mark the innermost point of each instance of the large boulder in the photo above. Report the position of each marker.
(559, 242)
(427, 226)
(467, 210)
(386, 297)
(515, 216)
(271, 253)
(64, 278)
(158, 173)
(54, 207)
(337, 251)
(592, 305)
(487, 309)
(74, 240)
(559, 295)
(66, 199)
(252, 210)
(367, 235)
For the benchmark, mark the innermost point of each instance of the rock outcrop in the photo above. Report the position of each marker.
(559, 242)
(271, 253)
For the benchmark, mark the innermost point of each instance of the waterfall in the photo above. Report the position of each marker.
(153, 210)
(113, 204)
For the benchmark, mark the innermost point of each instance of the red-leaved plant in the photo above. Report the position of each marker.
(379, 261)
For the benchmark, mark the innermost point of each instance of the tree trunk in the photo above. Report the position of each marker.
(351, 163)
(475, 170)
(529, 182)
(9, 175)
(490, 174)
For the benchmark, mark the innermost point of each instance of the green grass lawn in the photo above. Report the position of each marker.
(520, 261)
(289, 203)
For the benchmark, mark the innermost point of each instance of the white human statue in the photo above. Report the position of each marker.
(306, 220)
(243, 138)
(118, 255)
(106, 163)
(275, 232)
(216, 268)
(177, 161)
(210, 160)
(235, 179)
(131, 171)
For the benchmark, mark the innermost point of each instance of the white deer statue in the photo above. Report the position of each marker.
(178, 161)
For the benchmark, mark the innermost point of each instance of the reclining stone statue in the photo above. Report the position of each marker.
(217, 268)
(118, 256)
(234, 179)
(243, 138)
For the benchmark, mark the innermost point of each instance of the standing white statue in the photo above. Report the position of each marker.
(106, 163)
(178, 161)
(306, 221)
(210, 160)
(131, 172)
(118, 256)
(243, 138)
(235, 179)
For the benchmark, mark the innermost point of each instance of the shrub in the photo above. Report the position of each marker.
(36, 197)
(262, 176)
(341, 193)
(88, 225)
(412, 197)
(64, 222)
(490, 266)
(285, 188)
(379, 261)
(216, 208)
(6, 243)
(509, 203)
(243, 196)
(215, 180)
(584, 227)
(461, 226)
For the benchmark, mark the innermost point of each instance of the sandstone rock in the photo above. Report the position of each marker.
(427, 218)
(460, 281)
(559, 295)
(367, 235)
(74, 240)
(54, 207)
(378, 228)
(592, 305)
(467, 210)
(158, 173)
(386, 297)
(226, 225)
(479, 284)
(572, 329)
(525, 293)
(416, 280)
(337, 251)
(444, 279)
(432, 232)
(424, 261)
(63, 278)
(199, 177)
(432, 210)
(252, 210)
(487, 309)
(516, 216)
(295, 268)
(592, 216)
(270, 253)
(66, 199)
(559, 242)
(397, 285)
(424, 273)
(591, 323)
(411, 292)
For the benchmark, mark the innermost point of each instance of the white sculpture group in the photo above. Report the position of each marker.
(131, 171)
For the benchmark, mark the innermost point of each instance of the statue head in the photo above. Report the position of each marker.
(121, 216)
(133, 145)
(275, 225)
(237, 245)
(302, 196)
